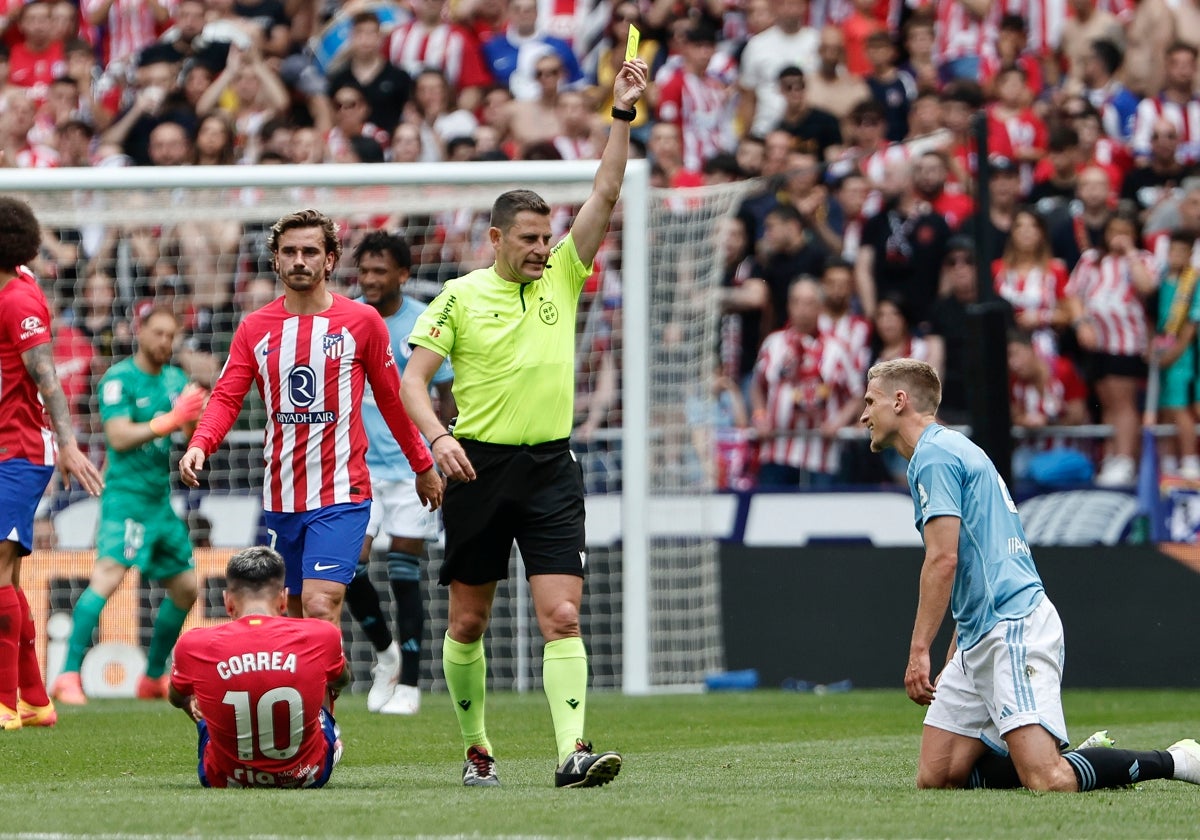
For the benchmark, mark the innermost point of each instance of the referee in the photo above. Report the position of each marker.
(510, 329)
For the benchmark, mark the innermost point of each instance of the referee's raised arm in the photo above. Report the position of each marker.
(592, 221)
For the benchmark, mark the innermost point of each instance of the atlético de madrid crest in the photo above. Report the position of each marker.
(334, 345)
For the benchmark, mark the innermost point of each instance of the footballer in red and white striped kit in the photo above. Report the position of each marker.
(310, 354)
(33, 412)
(256, 686)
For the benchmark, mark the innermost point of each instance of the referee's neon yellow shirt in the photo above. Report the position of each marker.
(513, 347)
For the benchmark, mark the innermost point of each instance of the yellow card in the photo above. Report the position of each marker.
(631, 44)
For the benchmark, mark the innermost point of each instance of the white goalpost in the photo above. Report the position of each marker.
(193, 237)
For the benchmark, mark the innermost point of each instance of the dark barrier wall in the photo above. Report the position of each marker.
(827, 613)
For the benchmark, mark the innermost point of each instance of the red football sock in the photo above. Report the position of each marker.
(29, 672)
(10, 637)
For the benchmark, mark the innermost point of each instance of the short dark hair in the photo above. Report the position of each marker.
(509, 204)
(786, 213)
(790, 72)
(82, 126)
(836, 262)
(544, 150)
(365, 17)
(456, 143)
(366, 149)
(384, 242)
(965, 92)
(867, 108)
(880, 37)
(254, 570)
(1013, 23)
(307, 218)
(1013, 68)
(1108, 53)
(722, 163)
(77, 45)
(1183, 46)
(1062, 137)
(1183, 237)
(20, 233)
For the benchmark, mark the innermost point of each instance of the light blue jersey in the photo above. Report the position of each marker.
(949, 475)
(385, 460)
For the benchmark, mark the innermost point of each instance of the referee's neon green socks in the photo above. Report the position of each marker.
(167, 625)
(84, 620)
(564, 678)
(465, 667)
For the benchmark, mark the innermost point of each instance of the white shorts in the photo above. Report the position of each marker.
(1011, 678)
(398, 512)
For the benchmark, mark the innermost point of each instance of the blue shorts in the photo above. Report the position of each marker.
(322, 544)
(22, 483)
(333, 753)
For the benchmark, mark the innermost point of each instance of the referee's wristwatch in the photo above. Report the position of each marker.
(625, 115)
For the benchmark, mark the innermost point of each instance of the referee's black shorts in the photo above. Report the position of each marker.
(531, 494)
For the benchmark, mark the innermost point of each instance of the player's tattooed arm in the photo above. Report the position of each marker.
(39, 363)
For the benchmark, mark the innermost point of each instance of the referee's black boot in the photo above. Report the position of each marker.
(584, 768)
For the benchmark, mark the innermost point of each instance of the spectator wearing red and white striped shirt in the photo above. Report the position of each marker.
(310, 353)
(965, 31)
(1029, 277)
(1178, 103)
(1044, 20)
(698, 101)
(867, 152)
(1027, 134)
(804, 382)
(1042, 392)
(838, 320)
(128, 26)
(1105, 297)
(429, 41)
(960, 100)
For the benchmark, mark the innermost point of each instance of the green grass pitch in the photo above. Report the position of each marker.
(755, 764)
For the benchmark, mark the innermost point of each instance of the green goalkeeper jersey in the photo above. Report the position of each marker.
(128, 391)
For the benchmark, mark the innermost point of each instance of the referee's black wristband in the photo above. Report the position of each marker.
(622, 114)
(439, 437)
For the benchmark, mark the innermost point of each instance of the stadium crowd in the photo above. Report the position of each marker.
(851, 118)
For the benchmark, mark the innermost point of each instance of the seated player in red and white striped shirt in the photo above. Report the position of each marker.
(235, 679)
(310, 353)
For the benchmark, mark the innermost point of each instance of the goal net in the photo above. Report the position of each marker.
(122, 241)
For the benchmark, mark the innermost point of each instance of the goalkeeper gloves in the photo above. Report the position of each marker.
(187, 409)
